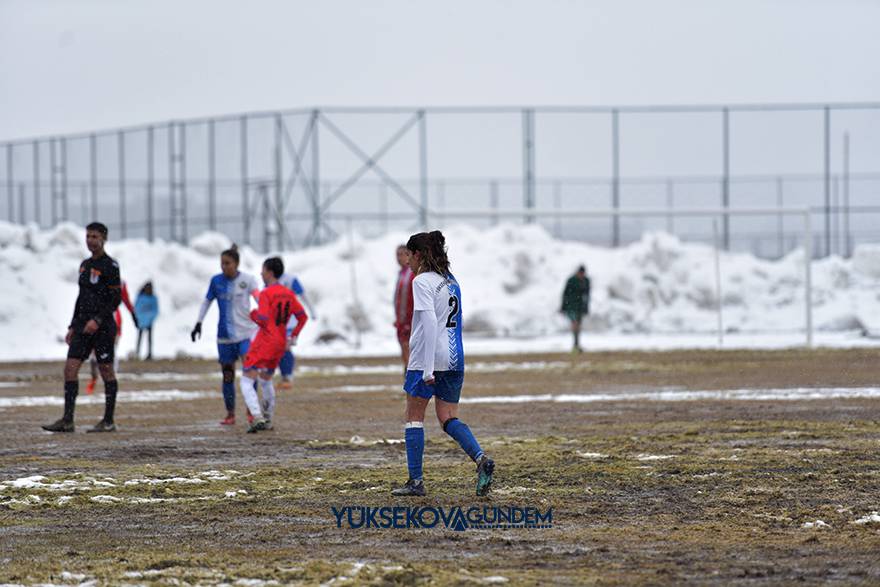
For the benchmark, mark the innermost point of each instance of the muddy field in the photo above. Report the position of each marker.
(647, 482)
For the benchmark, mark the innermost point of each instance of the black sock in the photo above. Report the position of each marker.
(577, 339)
(110, 389)
(71, 390)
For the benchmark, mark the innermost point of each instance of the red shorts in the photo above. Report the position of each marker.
(265, 354)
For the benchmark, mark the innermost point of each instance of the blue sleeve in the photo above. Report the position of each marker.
(297, 287)
(211, 295)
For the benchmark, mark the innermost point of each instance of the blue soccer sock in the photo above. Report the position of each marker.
(229, 395)
(288, 362)
(415, 448)
(463, 436)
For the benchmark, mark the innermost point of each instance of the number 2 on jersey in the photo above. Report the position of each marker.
(453, 312)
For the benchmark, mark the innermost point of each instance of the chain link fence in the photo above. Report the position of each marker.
(281, 180)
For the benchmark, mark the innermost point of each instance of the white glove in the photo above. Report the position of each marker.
(291, 341)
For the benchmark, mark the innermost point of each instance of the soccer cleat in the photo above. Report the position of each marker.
(485, 468)
(228, 421)
(410, 489)
(103, 426)
(257, 426)
(285, 384)
(268, 425)
(90, 386)
(61, 425)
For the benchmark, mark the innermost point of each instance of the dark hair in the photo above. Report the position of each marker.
(582, 269)
(146, 286)
(232, 253)
(275, 265)
(432, 246)
(98, 227)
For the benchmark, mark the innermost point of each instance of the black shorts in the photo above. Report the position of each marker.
(102, 342)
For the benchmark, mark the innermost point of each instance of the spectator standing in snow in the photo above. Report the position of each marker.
(576, 303)
(146, 308)
(403, 302)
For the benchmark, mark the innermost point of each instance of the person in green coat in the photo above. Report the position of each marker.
(576, 303)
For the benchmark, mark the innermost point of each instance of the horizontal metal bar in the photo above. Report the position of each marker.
(509, 109)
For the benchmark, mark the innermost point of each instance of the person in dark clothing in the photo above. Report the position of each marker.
(92, 329)
(576, 303)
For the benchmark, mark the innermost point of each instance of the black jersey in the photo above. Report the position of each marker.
(99, 292)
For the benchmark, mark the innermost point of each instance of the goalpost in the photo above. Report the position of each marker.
(710, 213)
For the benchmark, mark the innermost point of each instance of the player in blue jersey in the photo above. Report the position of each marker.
(436, 361)
(233, 291)
(288, 362)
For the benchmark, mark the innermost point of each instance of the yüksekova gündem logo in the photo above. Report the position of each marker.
(456, 518)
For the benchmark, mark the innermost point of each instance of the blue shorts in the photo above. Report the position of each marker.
(447, 385)
(230, 352)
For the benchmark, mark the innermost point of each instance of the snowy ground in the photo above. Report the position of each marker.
(512, 278)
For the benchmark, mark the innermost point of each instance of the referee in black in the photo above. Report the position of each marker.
(92, 329)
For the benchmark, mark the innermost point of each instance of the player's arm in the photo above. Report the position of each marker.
(301, 318)
(428, 320)
(423, 312)
(111, 299)
(261, 314)
(203, 311)
(127, 301)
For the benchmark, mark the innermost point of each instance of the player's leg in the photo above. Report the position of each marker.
(137, 347)
(228, 371)
(249, 375)
(417, 397)
(105, 353)
(227, 354)
(71, 390)
(150, 343)
(288, 363)
(268, 393)
(93, 372)
(78, 351)
(576, 332)
(448, 392)
(242, 348)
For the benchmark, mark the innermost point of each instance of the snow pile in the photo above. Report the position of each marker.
(512, 278)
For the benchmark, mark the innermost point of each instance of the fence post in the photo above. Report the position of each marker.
(423, 169)
(279, 214)
(93, 174)
(22, 216)
(10, 182)
(37, 182)
(780, 218)
(493, 200)
(121, 154)
(243, 145)
(529, 163)
(150, 180)
(847, 247)
(827, 154)
(725, 179)
(808, 275)
(316, 180)
(212, 177)
(615, 177)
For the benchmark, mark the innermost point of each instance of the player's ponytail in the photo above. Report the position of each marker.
(232, 253)
(432, 247)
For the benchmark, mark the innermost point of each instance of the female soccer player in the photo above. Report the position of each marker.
(232, 289)
(278, 304)
(436, 361)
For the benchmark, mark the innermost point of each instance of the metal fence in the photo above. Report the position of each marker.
(279, 180)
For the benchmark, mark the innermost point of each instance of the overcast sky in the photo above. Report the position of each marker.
(70, 65)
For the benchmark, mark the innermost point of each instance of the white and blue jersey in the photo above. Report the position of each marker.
(234, 304)
(436, 298)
